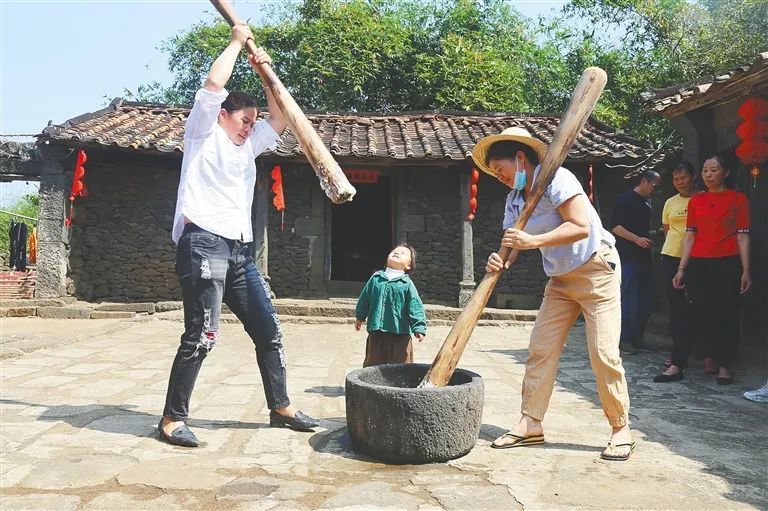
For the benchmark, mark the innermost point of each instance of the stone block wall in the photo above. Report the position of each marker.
(296, 253)
(426, 215)
(120, 242)
(429, 215)
(120, 246)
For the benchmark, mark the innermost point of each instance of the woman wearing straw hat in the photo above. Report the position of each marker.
(584, 278)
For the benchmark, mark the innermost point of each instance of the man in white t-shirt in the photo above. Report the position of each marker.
(212, 228)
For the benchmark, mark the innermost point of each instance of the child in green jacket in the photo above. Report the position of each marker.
(394, 310)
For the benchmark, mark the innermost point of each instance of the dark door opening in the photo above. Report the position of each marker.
(361, 232)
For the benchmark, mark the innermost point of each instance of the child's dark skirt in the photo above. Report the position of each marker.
(386, 348)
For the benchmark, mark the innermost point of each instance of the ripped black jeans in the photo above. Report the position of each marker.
(212, 270)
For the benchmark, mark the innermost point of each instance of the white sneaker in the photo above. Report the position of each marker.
(760, 395)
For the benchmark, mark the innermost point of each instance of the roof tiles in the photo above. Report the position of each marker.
(402, 136)
(684, 95)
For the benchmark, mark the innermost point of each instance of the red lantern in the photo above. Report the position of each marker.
(753, 128)
(753, 133)
(78, 188)
(474, 178)
(753, 107)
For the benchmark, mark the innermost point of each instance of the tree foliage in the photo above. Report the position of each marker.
(397, 55)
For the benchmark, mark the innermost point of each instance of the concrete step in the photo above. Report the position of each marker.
(17, 312)
(318, 320)
(67, 312)
(433, 312)
(100, 314)
(33, 302)
(168, 306)
(148, 308)
(345, 309)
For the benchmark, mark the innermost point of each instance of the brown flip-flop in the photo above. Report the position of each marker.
(617, 457)
(518, 441)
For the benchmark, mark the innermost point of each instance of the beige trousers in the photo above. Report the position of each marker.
(594, 290)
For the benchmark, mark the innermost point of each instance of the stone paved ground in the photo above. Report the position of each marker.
(78, 432)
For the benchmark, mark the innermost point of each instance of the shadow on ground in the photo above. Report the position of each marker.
(694, 418)
(326, 390)
(119, 419)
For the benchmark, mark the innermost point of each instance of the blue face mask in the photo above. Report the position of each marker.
(520, 178)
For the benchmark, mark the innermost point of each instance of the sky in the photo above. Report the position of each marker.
(60, 59)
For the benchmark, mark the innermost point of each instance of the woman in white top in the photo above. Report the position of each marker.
(580, 258)
(212, 228)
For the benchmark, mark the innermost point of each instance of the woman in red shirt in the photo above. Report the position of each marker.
(714, 267)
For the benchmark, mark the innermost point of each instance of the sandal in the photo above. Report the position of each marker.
(517, 441)
(613, 452)
(710, 367)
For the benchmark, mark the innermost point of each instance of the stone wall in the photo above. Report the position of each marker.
(296, 253)
(120, 246)
(120, 243)
(426, 214)
(429, 219)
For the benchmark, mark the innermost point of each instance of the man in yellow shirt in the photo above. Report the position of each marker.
(673, 220)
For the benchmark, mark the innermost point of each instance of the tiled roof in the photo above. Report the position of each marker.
(681, 98)
(402, 136)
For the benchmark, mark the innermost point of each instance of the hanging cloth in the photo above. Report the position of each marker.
(12, 243)
(33, 246)
(18, 246)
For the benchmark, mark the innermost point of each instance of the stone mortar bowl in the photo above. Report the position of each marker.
(389, 419)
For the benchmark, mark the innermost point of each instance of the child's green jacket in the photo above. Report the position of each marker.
(391, 305)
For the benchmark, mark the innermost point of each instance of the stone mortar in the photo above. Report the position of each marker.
(389, 419)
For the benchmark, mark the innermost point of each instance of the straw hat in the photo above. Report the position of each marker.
(514, 134)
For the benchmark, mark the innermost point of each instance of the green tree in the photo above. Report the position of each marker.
(374, 55)
(396, 55)
(28, 205)
(647, 44)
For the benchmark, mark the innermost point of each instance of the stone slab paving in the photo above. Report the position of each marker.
(25, 335)
(78, 432)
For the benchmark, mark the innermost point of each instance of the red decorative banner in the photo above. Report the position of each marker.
(362, 176)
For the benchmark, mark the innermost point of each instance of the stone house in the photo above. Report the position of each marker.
(705, 114)
(411, 171)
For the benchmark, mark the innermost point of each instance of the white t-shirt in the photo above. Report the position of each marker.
(217, 176)
(560, 259)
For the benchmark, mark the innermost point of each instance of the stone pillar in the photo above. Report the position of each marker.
(51, 235)
(260, 214)
(467, 284)
(400, 205)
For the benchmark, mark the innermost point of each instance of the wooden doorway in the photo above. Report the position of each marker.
(361, 231)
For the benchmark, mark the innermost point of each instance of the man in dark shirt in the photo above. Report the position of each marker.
(631, 222)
